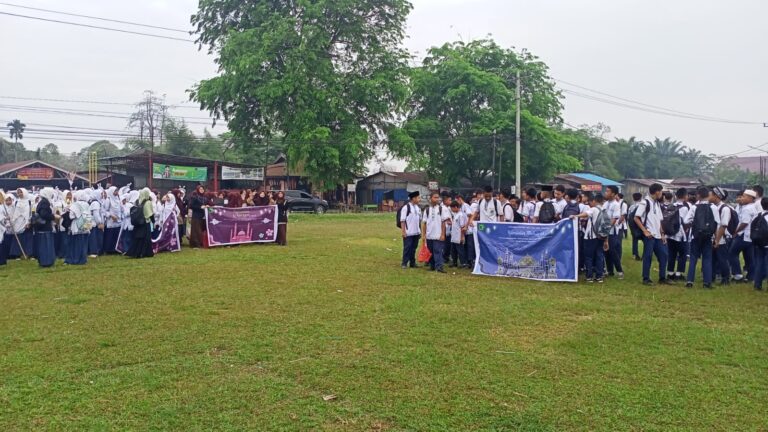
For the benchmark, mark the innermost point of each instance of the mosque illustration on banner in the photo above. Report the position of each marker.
(236, 236)
(525, 266)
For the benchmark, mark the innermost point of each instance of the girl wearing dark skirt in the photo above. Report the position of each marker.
(46, 252)
(141, 245)
(198, 204)
(80, 224)
(282, 219)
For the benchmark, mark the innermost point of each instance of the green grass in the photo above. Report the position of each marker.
(253, 338)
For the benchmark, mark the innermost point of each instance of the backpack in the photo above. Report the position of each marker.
(634, 228)
(571, 209)
(518, 218)
(439, 210)
(733, 223)
(547, 213)
(758, 230)
(85, 222)
(704, 225)
(137, 214)
(602, 225)
(399, 223)
(670, 221)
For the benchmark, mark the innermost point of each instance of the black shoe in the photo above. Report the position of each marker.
(708, 286)
(689, 285)
(404, 267)
(440, 271)
(725, 283)
(758, 289)
(648, 283)
(637, 258)
(666, 282)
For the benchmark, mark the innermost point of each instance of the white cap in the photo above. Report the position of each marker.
(751, 193)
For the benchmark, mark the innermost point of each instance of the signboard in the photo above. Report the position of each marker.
(433, 185)
(175, 172)
(35, 173)
(230, 226)
(545, 252)
(592, 188)
(229, 173)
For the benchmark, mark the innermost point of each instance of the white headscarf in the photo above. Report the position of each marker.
(169, 207)
(49, 194)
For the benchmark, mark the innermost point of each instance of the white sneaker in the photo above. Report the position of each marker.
(738, 277)
(620, 275)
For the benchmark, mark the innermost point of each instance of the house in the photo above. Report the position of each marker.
(574, 182)
(632, 186)
(36, 174)
(594, 178)
(385, 186)
(280, 176)
(753, 164)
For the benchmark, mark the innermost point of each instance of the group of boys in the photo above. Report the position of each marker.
(678, 232)
(683, 229)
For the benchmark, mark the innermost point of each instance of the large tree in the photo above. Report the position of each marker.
(462, 108)
(324, 75)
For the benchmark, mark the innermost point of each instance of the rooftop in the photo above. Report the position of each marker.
(596, 178)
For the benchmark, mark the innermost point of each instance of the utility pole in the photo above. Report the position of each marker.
(493, 160)
(518, 183)
(501, 151)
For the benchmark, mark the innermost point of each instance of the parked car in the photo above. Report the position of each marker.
(301, 201)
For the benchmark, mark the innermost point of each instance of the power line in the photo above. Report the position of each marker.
(654, 111)
(655, 108)
(96, 27)
(95, 18)
(90, 102)
(82, 110)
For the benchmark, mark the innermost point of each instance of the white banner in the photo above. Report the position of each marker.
(229, 173)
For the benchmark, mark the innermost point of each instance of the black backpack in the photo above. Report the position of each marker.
(670, 221)
(571, 209)
(399, 214)
(634, 228)
(758, 230)
(518, 218)
(704, 225)
(137, 214)
(733, 223)
(547, 213)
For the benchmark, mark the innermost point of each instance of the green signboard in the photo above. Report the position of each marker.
(176, 172)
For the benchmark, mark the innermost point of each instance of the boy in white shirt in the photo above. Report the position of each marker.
(410, 226)
(434, 223)
(761, 251)
(489, 209)
(613, 257)
(459, 223)
(469, 235)
(742, 242)
(594, 247)
(720, 263)
(679, 243)
(528, 209)
(648, 217)
(704, 220)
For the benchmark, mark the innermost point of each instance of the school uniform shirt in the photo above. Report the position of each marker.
(624, 212)
(691, 214)
(489, 210)
(528, 210)
(434, 218)
(467, 210)
(458, 220)
(559, 206)
(725, 219)
(509, 212)
(583, 208)
(411, 221)
(681, 235)
(589, 231)
(472, 210)
(747, 214)
(653, 216)
(613, 209)
(98, 216)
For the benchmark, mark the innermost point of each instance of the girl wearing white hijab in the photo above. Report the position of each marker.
(79, 229)
(113, 215)
(6, 236)
(126, 229)
(43, 226)
(96, 238)
(21, 213)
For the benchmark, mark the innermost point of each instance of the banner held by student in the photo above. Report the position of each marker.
(527, 251)
(229, 226)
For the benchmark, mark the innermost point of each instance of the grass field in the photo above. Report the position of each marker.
(254, 338)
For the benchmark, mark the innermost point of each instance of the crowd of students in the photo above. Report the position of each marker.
(685, 232)
(73, 226)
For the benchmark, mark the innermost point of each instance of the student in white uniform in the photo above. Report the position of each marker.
(720, 263)
(704, 220)
(623, 226)
(559, 202)
(545, 210)
(594, 247)
(434, 224)
(613, 257)
(528, 208)
(508, 208)
(648, 217)
(489, 209)
(469, 235)
(679, 243)
(761, 252)
(742, 242)
(459, 223)
(410, 226)
(446, 204)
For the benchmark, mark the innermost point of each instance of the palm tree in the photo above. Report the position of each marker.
(667, 147)
(16, 129)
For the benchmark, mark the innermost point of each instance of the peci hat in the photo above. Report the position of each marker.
(413, 195)
(750, 192)
(723, 195)
(547, 188)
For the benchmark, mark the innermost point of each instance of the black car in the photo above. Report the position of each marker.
(302, 201)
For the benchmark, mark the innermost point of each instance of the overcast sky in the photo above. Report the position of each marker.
(703, 57)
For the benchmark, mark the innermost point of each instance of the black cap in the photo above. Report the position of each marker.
(413, 195)
(547, 188)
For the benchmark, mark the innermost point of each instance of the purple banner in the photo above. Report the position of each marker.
(168, 239)
(229, 226)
